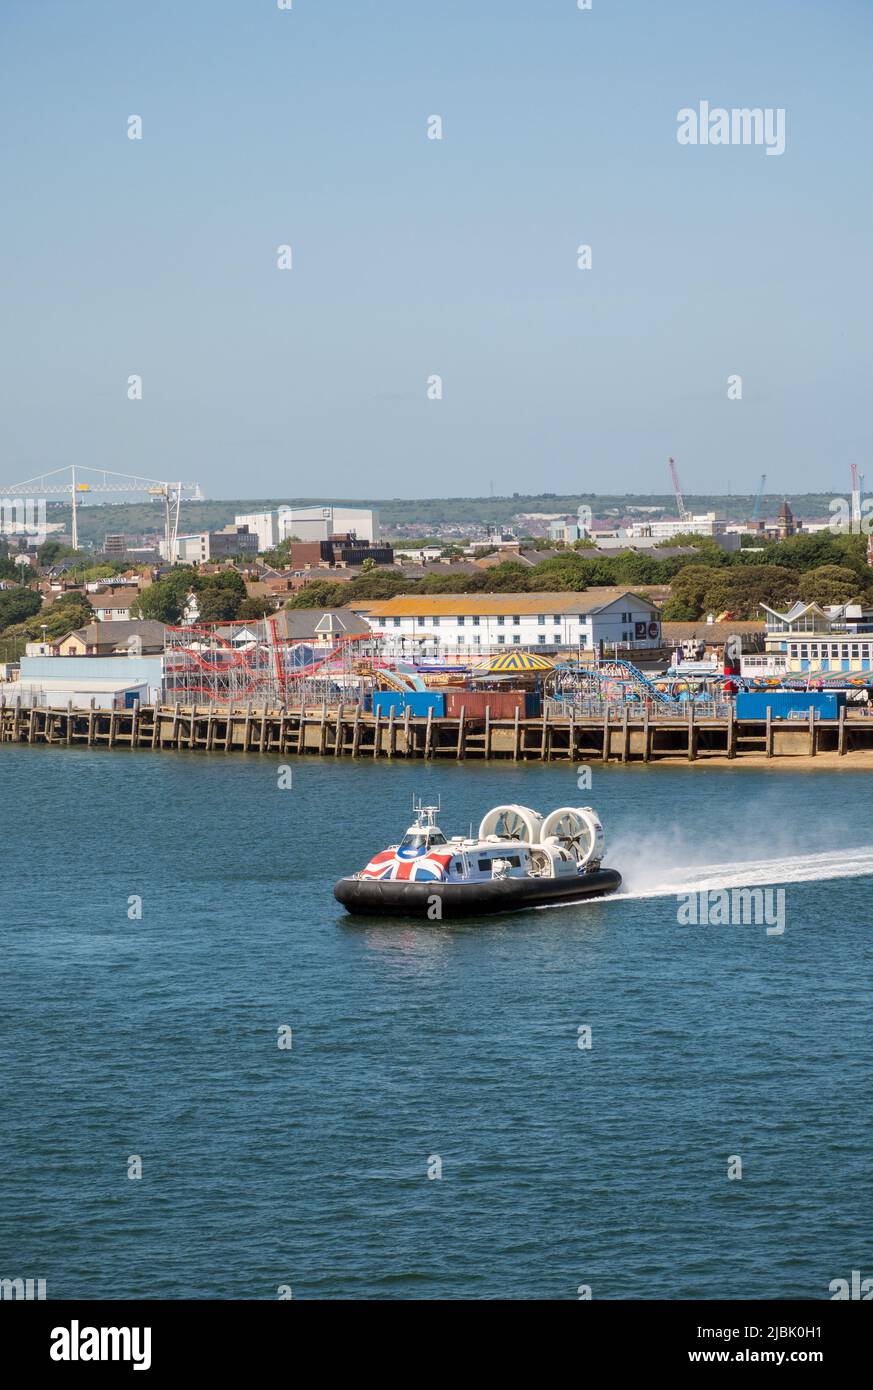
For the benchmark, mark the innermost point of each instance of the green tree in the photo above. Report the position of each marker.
(17, 605)
(255, 608)
(806, 552)
(675, 610)
(50, 552)
(830, 584)
(688, 588)
(377, 584)
(13, 642)
(218, 603)
(228, 581)
(65, 615)
(165, 600)
(742, 590)
(319, 593)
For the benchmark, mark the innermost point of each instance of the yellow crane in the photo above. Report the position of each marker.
(67, 482)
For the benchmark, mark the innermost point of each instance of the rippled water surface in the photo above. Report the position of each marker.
(264, 1167)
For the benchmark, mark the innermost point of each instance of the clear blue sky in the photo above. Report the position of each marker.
(414, 257)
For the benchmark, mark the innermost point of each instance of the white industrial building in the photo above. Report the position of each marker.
(112, 682)
(264, 525)
(707, 524)
(320, 523)
(203, 546)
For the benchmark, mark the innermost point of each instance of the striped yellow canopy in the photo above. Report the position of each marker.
(517, 661)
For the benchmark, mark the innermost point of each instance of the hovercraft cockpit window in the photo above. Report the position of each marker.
(420, 839)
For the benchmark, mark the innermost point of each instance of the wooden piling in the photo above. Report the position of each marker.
(516, 738)
(487, 731)
(301, 730)
(247, 728)
(460, 748)
(768, 733)
(338, 738)
(812, 732)
(392, 735)
(428, 734)
(841, 732)
(322, 730)
(356, 731)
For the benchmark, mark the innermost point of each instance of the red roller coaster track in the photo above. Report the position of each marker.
(202, 650)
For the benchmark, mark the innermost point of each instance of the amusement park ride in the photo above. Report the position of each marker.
(248, 662)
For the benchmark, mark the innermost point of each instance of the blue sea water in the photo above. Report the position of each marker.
(308, 1167)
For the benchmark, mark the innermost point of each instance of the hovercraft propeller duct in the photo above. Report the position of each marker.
(574, 828)
(512, 823)
(578, 829)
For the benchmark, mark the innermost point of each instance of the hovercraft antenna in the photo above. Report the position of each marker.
(425, 815)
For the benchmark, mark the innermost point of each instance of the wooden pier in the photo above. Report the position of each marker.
(631, 735)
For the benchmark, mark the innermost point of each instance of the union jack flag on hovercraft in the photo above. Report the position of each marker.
(406, 864)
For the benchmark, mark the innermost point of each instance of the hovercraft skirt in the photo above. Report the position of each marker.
(391, 898)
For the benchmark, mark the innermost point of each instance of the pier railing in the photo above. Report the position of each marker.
(616, 711)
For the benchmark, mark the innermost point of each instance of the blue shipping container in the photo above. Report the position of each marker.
(418, 702)
(752, 704)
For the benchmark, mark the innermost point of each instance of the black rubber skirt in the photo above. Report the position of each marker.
(393, 898)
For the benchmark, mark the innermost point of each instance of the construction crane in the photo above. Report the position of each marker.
(857, 485)
(756, 509)
(683, 514)
(52, 484)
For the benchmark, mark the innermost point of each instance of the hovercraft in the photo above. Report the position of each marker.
(518, 859)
